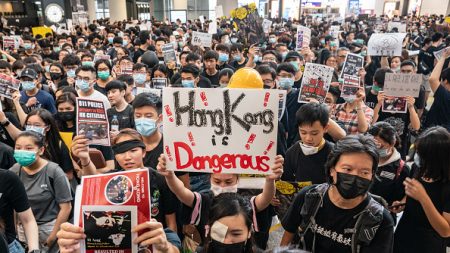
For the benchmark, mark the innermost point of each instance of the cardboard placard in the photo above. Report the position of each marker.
(169, 53)
(385, 44)
(219, 11)
(315, 83)
(201, 39)
(41, 30)
(215, 131)
(353, 63)
(266, 24)
(212, 27)
(8, 85)
(402, 85)
(92, 121)
(303, 37)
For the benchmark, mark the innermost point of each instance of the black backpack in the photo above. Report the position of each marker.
(367, 223)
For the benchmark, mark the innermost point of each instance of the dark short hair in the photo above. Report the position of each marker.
(191, 68)
(71, 59)
(408, 63)
(211, 54)
(286, 66)
(272, 52)
(5, 65)
(193, 57)
(115, 84)
(386, 132)
(312, 112)
(223, 47)
(106, 62)
(85, 68)
(352, 144)
(127, 79)
(380, 75)
(265, 69)
(148, 99)
(445, 75)
(437, 36)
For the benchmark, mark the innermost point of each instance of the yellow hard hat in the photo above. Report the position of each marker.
(246, 78)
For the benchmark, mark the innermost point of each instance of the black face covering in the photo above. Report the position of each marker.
(55, 76)
(218, 247)
(66, 116)
(351, 186)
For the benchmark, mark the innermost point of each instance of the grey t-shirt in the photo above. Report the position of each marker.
(46, 190)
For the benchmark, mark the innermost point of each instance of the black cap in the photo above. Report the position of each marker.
(293, 54)
(29, 72)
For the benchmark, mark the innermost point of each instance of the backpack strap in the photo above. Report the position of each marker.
(367, 223)
(313, 201)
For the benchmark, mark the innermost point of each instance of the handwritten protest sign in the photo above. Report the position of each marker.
(353, 63)
(303, 37)
(386, 44)
(315, 83)
(215, 131)
(92, 121)
(402, 85)
(169, 53)
(212, 27)
(140, 90)
(266, 24)
(108, 206)
(159, 83)
(201, 39)
(8, 85)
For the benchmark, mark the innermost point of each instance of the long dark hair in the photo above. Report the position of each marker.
(52, 138)
(230, 204)
(433, 147)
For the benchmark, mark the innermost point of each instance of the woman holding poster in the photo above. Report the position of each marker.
(197, 206)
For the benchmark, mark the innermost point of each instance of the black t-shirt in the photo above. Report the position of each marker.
(225, 66)
(298, 83)
(439, 114)
(388, 181)
(4, 135)
(371, 99)
(138, 53)
(236, 64)
(202, 83)
(214, 79)
(13, 197)
(400, 121)
(332, 221)
(6, 156)
(151, 157)
(288, 119)
(414, 232)
(124, 117)
(299, 167)
(100, 89)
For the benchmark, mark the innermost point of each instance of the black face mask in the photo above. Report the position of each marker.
(351, 186)
(218, 247)
(55, 76)
(66, 116)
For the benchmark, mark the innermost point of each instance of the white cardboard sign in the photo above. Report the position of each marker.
(402, 85)
(201, 39)
(386, 44)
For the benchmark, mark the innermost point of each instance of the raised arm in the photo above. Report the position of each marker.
(183, 194)
(436, 74)
(262, 201)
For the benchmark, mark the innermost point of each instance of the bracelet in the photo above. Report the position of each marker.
(85, 164)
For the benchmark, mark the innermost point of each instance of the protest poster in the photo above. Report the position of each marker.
(303, 37)
(11, 42)
(92, 121)
(159, 83)
(385, 44)
(169, 53)
(401, 27)
(125, 68)
(108, 206)
(282, 103)
(215, 131)
(8, 85)
(315, 83)
(140, 90)
(212, 27)
(402, 85)
(266, 24)
(334, 32)
(350, 87)
(102, 57)
(438, 54)
(394, 104)
(285, 193)
(41, 30)
(353, 63)
(201, 39)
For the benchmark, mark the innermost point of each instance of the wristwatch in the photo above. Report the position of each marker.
(5, 123)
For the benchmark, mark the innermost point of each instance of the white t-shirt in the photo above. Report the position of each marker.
(96, 95)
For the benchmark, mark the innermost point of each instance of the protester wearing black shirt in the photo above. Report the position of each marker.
(350, 169)
(210, 59)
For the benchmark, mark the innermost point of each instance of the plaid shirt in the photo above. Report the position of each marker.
(349, 121)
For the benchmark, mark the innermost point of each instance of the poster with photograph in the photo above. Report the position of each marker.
(8, 85)
(92, 121)
(125, 68)
(282, 104)
(350, 87)
(402, 85)
(11, 42)
(155, 91)
(394, 105)
(285, 193)
(159, 83)
(303, 37)
(385, 44)
(353, 63)
(315, 83)
(169, 53)
(216, 131)
(108, 229)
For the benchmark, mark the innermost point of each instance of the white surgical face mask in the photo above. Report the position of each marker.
(308, 150)
(216, 189)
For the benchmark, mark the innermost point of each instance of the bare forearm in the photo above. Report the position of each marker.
(362, 122)
(13, 131)
(436, 220)
(20, 112)
(263, 199)
(335, 131)
(62, 217)
(183, 194)
(31, 229)
(286, 239)
(376, 113)
(414, 118)
(436, 74)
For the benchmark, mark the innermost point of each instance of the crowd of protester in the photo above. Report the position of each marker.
(364, 166)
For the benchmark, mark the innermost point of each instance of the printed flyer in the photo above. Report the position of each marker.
(92, 121)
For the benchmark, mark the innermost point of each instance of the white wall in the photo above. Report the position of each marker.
(227, 6)
(379, 7)
(437, 7)
(180, 4)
